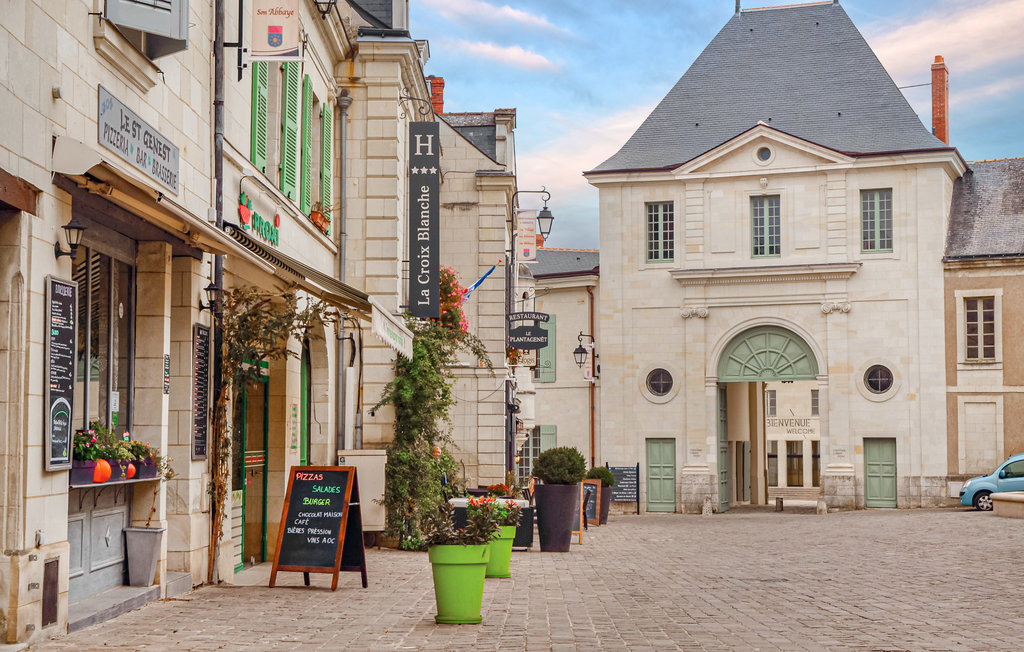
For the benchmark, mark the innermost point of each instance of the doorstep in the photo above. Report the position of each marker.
(121, 599)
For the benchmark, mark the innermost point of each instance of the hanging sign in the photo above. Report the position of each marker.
(123, 132)
(424, 220)
(527, 236)
(276, 33)
(528, 337)
(59, 372)
(200, 390)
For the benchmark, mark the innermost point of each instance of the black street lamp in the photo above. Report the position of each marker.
(579, 354)
(544, 217)
(73, 232)
(213, 294)
(324, 7)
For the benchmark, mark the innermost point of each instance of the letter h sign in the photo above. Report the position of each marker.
(424, 299)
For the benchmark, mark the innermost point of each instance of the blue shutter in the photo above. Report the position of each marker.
(546, 356)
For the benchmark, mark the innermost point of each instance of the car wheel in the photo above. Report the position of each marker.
(983, 501)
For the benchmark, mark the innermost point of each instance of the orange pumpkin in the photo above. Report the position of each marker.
(102, 471)
(130, 472)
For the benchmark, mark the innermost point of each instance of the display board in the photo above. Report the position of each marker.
(627, 484)
(200, 390)
(59, 373)
(321, 527)
(592, 508)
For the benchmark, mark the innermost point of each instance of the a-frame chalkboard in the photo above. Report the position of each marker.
(321, 524)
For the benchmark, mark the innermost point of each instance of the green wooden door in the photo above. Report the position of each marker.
(723, 451)
(880, 472)
(661, 475)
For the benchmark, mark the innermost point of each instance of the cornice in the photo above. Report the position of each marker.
(765, 274)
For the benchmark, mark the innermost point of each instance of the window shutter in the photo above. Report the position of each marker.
(166, 18)
(326, 149)
(546, 356)
(290, 130)
(258, 135)
(548, 437)
(306, 156)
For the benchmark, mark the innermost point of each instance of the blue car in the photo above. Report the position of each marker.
(1008, 476)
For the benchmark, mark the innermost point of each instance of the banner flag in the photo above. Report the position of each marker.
(276, 34)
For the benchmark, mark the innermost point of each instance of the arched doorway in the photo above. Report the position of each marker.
(758, 355)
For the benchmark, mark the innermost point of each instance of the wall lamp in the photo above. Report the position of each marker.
(580, 353)
(73, 232)
(324, 7)
(213, 294)
(544, 217)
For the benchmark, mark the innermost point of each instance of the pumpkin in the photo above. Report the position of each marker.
(102, 471)
(130, 472)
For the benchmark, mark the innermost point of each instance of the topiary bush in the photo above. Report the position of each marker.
(602, 474)
(561, 465)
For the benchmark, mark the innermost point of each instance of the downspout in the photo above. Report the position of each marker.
(218, 261)
(339, 404)
(593, 374)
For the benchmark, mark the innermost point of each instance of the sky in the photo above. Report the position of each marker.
(583, 74)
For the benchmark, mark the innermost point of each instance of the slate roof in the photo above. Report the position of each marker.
(987, 214)
(565, 262)
(379, 9)
(805, 70)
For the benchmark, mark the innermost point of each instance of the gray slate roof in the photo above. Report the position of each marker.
(987, 215)
(805, 70)
(564, 262)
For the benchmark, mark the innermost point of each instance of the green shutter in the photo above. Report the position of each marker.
(546, 356)
(258, 135)
(307, 145)
(290, 130)
(326, 149)
(548, 437)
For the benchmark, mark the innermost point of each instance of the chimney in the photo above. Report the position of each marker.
(437, 93)
(540, 241)
(940, 100)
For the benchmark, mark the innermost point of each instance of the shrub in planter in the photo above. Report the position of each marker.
(607, 480)
(560, 470)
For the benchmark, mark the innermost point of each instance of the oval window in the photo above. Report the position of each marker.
(659, 382)
(878, 379)
(764, 154)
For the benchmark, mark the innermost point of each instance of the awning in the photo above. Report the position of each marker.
(390, 330)
(314, 281)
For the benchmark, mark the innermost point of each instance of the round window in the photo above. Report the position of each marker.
(659, 382)
(878, 379)
(764, 154)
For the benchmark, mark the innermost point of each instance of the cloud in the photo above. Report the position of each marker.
(970, 37)
(511, 55)
(477, 11)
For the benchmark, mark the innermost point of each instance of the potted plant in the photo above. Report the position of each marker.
(320, 215)
(142, 544)
(560, 470)
(458, 558)
(607, 479)
(88, 459)
(507, 514)
(498, 490)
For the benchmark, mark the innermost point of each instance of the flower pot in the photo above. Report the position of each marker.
(557, 506)
(606, 501)
(82, 472)
(143, 547)
(102, 471)
(501, 552)
(145, 469)
(118, 470)
(459, 582)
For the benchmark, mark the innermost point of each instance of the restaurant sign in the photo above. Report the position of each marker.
(527, 337)
(123, 132)
(256, 223)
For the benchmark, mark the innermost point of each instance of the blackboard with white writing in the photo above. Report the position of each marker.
(627, 483)
(593, 500)
(321, 526)
(200, 390)
(59, 374)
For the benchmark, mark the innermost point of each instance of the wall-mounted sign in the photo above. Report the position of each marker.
(123, 132)
(526, 238)
(276, 32)
(528, 337)
(200, 390)
(424, 214)
(255, 223)
(59, 372)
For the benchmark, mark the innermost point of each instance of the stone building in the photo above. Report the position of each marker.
(765, 224)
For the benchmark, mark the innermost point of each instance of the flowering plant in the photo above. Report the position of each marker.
(87, 446)
(499, 489)
(481, 525)
(453, 295)
(101, 443)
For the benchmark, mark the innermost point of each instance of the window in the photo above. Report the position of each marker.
(766, 227)
(814, 403)
(980, 313)
(773, 464)
(1014, 470)
(769, 402)
(794, 464)
(544, 372)
(539, 439)
(876, 220)
(660, 232)
(763, 154)
(659, 382)
(878, 379)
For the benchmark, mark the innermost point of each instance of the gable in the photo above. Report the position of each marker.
(744, 154)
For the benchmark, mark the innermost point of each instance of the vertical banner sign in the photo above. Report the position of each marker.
(200, 390)
(60, 351)
(424, 214)
(275, 31)
(527, 236)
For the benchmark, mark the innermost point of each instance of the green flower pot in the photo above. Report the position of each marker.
(459, 582)
(501, 552)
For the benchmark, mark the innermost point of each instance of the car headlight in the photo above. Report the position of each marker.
(968, 483)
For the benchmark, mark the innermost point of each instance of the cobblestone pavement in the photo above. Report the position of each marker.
(751, 579)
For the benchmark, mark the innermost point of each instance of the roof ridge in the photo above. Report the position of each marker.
(994, 160)
(799, 4)
(565, 249)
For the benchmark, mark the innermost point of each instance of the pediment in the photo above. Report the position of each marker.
(743, 154)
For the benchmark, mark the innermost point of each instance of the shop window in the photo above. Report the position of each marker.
(773, 463)
(794, 463)
(106, 325)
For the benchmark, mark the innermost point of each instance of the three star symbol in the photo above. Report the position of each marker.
(431, 170)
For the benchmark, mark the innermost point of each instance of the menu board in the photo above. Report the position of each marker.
(593, 497)
(59, 372)
(200, 390)
(627, 483)
(321, 527)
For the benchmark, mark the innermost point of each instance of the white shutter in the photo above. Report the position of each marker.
(166, 18)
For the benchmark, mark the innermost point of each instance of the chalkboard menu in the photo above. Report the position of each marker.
(60, 352)
(627, 483)
(321, 527)
(593, 500)
(200, 390)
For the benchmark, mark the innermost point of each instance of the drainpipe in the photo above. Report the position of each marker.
(593, 366)
(344, 101)
(218, 261)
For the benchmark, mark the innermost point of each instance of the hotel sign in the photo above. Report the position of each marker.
(123, 132)
(424, 214)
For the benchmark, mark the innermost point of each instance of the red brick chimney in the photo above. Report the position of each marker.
(940, 100)
(437, 93)
(540, 241)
